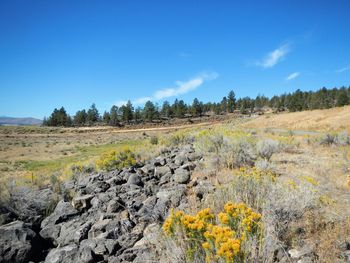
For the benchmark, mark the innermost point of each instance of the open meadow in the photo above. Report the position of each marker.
(292, 171)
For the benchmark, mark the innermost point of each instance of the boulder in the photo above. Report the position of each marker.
(16, 241)
(202, 189)
(30, 205)
(162, 170)
(159, 161)
(147, 169)
(182, 176)
(165, 179)
(82, 202)
(180, 159)
(115, 205)
(188, 166)
(62, 212)
(134, 179)
(65, 254)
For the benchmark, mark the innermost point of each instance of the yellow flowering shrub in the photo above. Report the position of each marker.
(116, 160)
(255, 173)
(220, 236)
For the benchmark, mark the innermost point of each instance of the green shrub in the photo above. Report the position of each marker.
(266, 148)
(154, 140)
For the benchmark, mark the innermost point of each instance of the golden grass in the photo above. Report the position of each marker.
(38, 152)
(335, 119)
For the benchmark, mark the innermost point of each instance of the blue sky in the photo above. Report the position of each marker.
(73, 53)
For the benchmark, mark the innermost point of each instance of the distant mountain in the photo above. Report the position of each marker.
(19, 121)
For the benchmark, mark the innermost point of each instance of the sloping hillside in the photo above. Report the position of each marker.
(19, 121)
(335, 119)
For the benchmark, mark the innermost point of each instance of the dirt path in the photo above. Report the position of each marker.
(105, 130)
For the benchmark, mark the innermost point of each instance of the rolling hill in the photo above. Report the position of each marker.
(19, 121)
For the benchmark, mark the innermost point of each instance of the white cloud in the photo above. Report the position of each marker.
(343, 69)
(275, 56)
(181, 87)
(293, 75)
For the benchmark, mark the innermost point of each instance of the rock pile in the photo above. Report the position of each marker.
(110, 214)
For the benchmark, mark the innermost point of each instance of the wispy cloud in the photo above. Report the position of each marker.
(293, 75)
(341, 70)
(274, 57)
(180, 88)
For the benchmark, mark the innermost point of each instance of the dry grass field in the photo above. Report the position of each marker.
(32, 154)
(307, 174)
(335, 119)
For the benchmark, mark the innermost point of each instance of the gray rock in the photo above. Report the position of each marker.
(99, 229)
(182, 176)
(298, 253)
(114, 205)
(51, 233)
(194, 156)
(188, 166)
(100, 246)
(82, 202)
(66, 254)
(165, 179)
(65, 233)
(73, 232)
(161, 170)
(147, 169)
(16, 242)
(62, 212)
(30, 205)
(86, 255)
(180, 159)
(134, 179)
(159, 161)
(202, 189)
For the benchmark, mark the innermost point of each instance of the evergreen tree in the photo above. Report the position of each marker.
(196, 108)
(231, 101)
(59, 118)
(113, 113)
(224, 105)
(127, 111)
(93, 115)
(245, 105)
(149, 111)
(342, 97)
(106, 118)
(181, 109)
(138, 114)
(80, 118)
(166, 110)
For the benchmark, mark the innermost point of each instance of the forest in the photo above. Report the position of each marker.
(296, 101)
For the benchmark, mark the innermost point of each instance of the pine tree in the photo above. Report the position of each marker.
(166, 110)
(149, 111)
(106, 117)
(80, 118)
(138, 114)
(114, 119)
(196, 108)
(342, 97)
(127, 111)
(224, 105)
(231, 101)
(93, 115)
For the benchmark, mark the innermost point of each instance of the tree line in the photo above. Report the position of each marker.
(296, 101)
